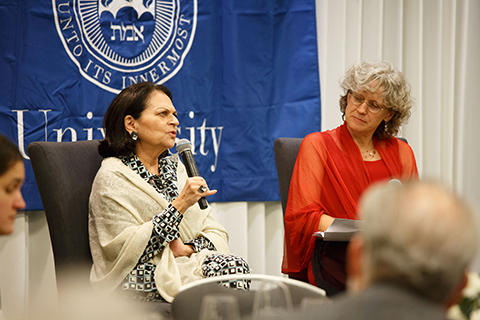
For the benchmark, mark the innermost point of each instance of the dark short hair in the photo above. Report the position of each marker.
(130, 101)
(9, 154)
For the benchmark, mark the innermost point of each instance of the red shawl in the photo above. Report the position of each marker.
(329, 177)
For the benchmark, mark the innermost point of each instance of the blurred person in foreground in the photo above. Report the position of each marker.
(12, 175)
(412, 258)
(148, 235)
(335, 167)
(78, 303)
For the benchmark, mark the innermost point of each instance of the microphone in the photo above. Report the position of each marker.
(184, 147)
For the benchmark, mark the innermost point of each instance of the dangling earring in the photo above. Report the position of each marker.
(134, 135)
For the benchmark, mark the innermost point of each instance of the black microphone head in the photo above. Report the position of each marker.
(183, 145)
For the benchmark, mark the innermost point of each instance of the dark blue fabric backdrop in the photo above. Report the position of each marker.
(242, 74)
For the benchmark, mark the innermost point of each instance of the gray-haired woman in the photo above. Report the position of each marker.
(335, 167)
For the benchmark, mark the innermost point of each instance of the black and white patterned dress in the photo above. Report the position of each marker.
(139, 284)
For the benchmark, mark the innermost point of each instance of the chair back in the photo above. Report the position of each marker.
(64, 172)
(286, 151)
(187, 303)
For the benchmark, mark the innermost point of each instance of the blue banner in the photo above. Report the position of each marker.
(242, 74)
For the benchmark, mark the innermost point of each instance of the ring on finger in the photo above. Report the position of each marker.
(202, 189)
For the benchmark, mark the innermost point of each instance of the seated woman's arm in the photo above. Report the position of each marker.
(165, 232)
(187, 197)
(180, 249)
(325, 222)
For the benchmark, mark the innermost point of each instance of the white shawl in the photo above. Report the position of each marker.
(122, 206)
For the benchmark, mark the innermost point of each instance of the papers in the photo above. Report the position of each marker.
(340, 230)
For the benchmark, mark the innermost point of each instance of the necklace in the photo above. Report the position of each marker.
(369, 154)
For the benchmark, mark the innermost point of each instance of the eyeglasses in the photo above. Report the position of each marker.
(358, 100)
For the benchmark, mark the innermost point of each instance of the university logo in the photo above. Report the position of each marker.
(116, 43)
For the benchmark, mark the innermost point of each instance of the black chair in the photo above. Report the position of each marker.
(286, 151)
(64, 173)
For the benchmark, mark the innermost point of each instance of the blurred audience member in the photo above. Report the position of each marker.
(78, 302)
(12, 175)
(411, 259)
